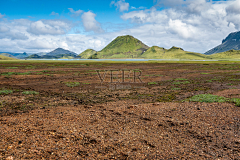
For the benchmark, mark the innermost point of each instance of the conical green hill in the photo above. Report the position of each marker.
(122, 47)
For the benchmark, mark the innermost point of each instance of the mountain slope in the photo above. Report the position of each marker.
(7, 55)
(61, 51)
(231, 54)
(86, 54)
(6, 58)
(16, 55)
(156, 52)
(122, 47)
(232, 41)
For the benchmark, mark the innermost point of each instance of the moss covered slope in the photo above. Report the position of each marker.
(86, 54)
(156, 52)
(122, 47)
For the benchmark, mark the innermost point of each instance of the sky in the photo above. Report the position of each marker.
(35, 26)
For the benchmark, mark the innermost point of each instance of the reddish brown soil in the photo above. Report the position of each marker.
(119, 120)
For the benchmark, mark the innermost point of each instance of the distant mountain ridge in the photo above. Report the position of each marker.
(15, 55)
(123, 47)
(156, 52)
(58, 53)
(232, 41)
(61, 51)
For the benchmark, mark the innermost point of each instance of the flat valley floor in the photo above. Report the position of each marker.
(100, 110)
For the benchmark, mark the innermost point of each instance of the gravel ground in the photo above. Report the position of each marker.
(121, 130)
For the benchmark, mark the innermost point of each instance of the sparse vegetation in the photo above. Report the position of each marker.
(181, 79)
(207, 98)
(152, 83)
(178, 83)
(30, 92)
(6, 91)
(175, 88)
(72, 84)
(12, 68)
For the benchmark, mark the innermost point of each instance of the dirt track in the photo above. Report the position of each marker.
(133, 121)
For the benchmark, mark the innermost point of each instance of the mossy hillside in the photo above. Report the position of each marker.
(156, 52)
(6, 58)
(231, 54)
(7, 55)
(86, 54)
(122, 47)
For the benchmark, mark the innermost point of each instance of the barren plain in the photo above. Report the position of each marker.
(98, 110)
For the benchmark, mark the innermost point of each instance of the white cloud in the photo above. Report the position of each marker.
(1, 16)
(51, 27)
(40, 43)
(75, 13)
(234, 7)
(121, 5)
(54, 14)
(90, 24)
(182, 29)
(233, 14)
(4, 29)
(13, 35)
(146, 16)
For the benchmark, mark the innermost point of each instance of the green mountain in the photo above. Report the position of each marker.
(231, 54)
(58, 56)
(6, 58)
(122, 47)
(33, 56)
(86, 54)
(7, 55)
(156, 52)
(60, 51)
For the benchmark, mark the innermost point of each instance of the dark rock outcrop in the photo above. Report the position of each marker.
(232, 41)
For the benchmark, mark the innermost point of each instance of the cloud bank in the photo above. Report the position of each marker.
(121, 5)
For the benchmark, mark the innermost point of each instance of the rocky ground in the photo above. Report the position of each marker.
(152, 119)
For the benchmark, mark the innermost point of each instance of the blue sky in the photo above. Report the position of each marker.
(43, 25)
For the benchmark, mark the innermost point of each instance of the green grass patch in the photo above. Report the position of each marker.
(152, 83)
(30, 92)
(234, 79)
(12, 68)
(72, 84)
(208, 80)
(154, 75)
(15, 73)
(24, 73)
(205, 73)
(209, 98)
(175, 89)
(181, 79)
(178, 83)
(30, 67)
(85, 83)
(6, 91)
(236, 101)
